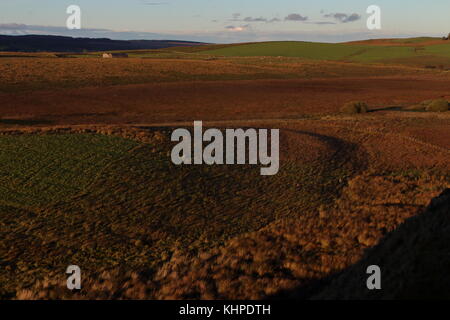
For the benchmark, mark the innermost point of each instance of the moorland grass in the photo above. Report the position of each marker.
(438, 105)
(354, 107)
(104, 202)
(39, 170)
(31, 74)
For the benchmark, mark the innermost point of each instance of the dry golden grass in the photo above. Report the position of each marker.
(293, 256)
(354, 107)
(43, 72)
(286, 259)
(414, 261)
(132, 207)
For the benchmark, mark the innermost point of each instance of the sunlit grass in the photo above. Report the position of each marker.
(102, 202)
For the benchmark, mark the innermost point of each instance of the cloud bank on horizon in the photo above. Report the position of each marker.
(224, 22)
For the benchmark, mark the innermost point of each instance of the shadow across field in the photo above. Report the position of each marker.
(25, 122)
(343, 151)
(396, 108)
(392, 108)
(16, 56)
(413, 258)
(112, 201)
(251, 265)
(125, 218)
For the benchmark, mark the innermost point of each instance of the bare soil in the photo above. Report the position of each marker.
(213, 100)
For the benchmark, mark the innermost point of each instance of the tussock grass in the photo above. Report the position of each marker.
(101, 202)
(354, 107)
(438, 105)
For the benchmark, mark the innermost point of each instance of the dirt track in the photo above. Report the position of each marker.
(213, 100)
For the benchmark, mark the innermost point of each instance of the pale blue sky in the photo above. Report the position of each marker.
(212, 20)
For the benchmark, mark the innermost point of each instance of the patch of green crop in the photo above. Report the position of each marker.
(317, 51)
(308, 50)
(439, 49)
(38, 170)
(414, 40)
(376, 53)
(336, 52)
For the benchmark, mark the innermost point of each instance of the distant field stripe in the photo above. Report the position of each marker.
(330, 51)
(309, 50)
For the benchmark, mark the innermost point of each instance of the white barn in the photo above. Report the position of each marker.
(115, 55)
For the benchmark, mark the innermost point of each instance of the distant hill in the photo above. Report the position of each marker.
(39, 43)
(418, 52)
(408, 42)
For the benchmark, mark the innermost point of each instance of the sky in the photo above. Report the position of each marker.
(225, 21)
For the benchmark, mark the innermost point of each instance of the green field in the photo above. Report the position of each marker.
(308, 50)
(326, 51)
(416, 40)
(40, 170)
(354, 52)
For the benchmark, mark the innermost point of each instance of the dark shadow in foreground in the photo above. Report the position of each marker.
(414, 262)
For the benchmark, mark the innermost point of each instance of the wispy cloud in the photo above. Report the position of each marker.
(237, 17)
(250, 19)
(321, 22)
(238, 29)
(24, 29)
(295, 17)
(343, 17)
(146, 3)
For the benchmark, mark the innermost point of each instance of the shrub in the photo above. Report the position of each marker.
(439, 105)
(426, 102)
(354, 107)
(420, 106)
(415, 107)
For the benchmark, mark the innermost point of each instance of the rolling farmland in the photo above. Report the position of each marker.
(87, 178)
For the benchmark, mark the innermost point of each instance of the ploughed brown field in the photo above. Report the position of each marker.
(216, 100)
(87, 179)
(175, 91)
